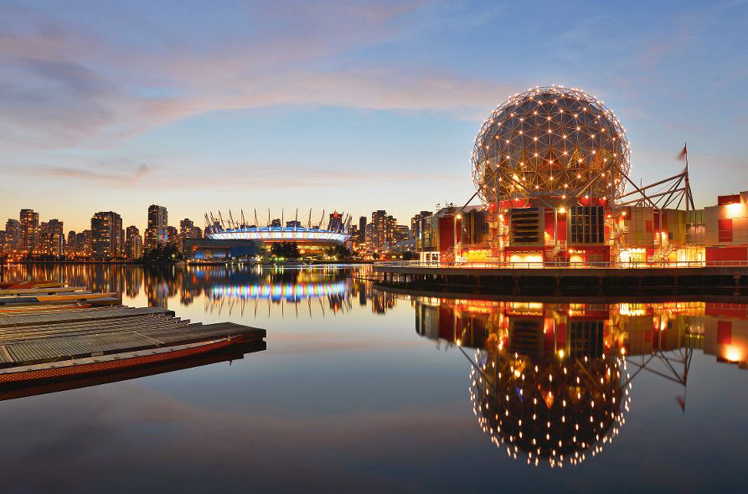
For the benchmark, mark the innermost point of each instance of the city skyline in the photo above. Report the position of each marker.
(113, 109)
(108, 238)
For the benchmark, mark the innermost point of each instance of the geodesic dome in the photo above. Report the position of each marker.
(550, 142)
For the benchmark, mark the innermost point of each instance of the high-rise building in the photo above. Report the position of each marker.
(51, 238)
(400, 233)
(416, 223)
(362, 229)
(83, 242)
(158, 221)
(29, 229)
(172, 235)
(185, 228)
(188, 230)
(12, 241)
(106, 235)
(369, 236)
(71, 247)
(133, 243)
(383, 230)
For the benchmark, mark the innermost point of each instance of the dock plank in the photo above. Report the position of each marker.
(50, 336)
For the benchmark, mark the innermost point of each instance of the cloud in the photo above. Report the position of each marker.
(124, 174)
(64, 85)
(107, 175)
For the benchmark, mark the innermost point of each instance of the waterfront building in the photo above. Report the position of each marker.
(172, 235)
(417, 223)
(106, 236)
(158, 220)
(401, 233)
(362, 229)
(187, 229)
(51, 238)
(12, 240)
(312, 239)
(383, 231)
(83, 243)
(71, 246)
(133, 243)
(551, 167)
(369, 236)
(29, 229)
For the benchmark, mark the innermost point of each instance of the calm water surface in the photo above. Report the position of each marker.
(362, 390)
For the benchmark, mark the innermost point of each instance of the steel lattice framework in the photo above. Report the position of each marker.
(550, 144)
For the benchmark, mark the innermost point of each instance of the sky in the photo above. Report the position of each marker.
(340, 105)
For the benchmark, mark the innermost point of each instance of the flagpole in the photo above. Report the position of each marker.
(688, 185)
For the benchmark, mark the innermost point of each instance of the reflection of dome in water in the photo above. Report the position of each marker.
(550, 141)
(555, 410)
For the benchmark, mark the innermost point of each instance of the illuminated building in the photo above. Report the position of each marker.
(106, 236)
(12, 239)
(548, 145)
(172, 235)
(187, 229)
(362, 229)
(84, 243)
(29, 229)
(133, 243)
(551, 166)
(51, 238)
(71, 246)
(417, 225)
(382, 233)
(158, 221)
(401, 233)
(239, 238)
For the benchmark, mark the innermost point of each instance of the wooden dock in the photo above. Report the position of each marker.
(53, 332)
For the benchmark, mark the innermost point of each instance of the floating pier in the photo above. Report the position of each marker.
(55, 332)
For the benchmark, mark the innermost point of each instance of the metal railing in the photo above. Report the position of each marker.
(565, 265)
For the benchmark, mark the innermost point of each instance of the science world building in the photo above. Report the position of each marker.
(552, 168)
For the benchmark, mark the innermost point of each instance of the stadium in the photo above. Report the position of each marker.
(237, 237)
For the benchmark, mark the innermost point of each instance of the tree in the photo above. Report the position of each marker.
(287, 250)
(339, 252)
(162, 254)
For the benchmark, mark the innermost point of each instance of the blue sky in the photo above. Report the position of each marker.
(344, 105)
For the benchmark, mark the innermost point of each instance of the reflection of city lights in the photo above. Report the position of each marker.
(279, 291)
(532, 418)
